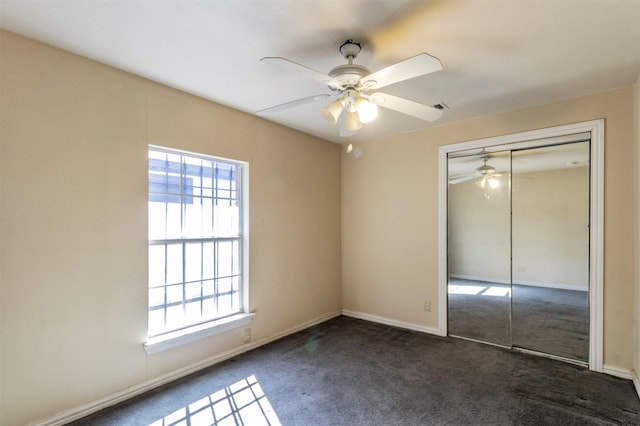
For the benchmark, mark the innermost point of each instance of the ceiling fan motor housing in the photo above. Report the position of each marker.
(485, 170)
(349, 75)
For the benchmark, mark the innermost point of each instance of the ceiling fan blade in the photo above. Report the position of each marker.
(293, 104)
(405, 106)
(303, 71)
(464, 178)
(409, 68)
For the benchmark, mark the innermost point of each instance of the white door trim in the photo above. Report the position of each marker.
(596, 231)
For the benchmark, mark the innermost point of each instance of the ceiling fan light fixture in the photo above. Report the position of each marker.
(367, 111)
(352, 121)
(332, 111)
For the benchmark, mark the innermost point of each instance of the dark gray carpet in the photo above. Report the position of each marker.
(353, 372)
(552, 321)
(478, 316)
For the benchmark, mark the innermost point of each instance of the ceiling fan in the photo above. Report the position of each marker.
(485, 175)
(350, 83)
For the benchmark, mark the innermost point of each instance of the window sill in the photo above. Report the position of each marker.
(181, 337)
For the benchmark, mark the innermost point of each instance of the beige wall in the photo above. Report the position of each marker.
(390, 215)
(73, 176)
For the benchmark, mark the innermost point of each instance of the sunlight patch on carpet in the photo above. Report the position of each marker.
(242, 403)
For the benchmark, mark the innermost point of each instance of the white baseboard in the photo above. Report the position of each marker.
(94, 406)
(483, 279)
(636, 382)
(623, 373)
(551, 285)
(391, 322)
(525, 283)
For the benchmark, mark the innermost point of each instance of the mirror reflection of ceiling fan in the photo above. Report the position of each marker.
(485, 176)
(351, 105)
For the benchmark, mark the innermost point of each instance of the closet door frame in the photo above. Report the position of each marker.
(531, 139)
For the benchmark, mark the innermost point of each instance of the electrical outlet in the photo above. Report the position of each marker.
(427, 305)
(247, 335)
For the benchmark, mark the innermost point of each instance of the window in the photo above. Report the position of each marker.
(196, 241)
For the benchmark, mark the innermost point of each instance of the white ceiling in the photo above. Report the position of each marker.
(498, 55)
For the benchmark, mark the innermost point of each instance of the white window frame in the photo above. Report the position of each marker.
(191, 332)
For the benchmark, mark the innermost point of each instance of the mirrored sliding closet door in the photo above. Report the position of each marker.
(518, 246)
(479, 246)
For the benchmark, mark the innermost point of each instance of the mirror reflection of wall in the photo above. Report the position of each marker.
(479, 248)
(479, 234)
(551, 219)
(550, 250)
(518, 248)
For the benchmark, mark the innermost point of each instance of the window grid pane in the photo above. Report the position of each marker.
(195, 240)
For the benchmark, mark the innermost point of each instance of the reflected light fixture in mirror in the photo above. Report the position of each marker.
(488, 182)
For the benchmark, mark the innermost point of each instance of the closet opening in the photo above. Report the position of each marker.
(521, 242)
